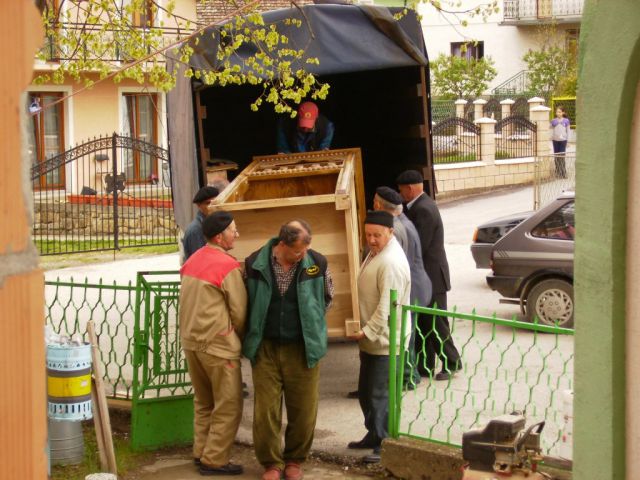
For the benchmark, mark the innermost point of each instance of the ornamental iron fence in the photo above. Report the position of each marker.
(515, 138)
(108, 193)
(455, 140)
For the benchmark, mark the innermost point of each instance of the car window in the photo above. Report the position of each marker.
(559, 225)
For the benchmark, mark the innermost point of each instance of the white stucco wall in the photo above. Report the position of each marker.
(505, 44)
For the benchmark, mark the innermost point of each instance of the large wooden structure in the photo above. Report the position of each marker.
(324, 188)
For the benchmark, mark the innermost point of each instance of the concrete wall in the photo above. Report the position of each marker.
(608, 86)
(461, 178)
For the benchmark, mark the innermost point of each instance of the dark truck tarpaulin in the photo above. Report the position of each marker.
(344, 38)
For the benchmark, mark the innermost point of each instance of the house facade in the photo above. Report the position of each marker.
(505, 36)
(62, 116)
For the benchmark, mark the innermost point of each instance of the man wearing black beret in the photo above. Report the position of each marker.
(213, 309)
(388, 200)
(424, 213)
(385, 268)
(193, 237)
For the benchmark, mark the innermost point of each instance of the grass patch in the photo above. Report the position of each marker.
(455, 158)
(126, 458)
(52, 262)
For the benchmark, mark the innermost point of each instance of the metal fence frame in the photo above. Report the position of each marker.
(455, 140)
(548, 181)
(470, 408)
(103, 205)
(517, 137)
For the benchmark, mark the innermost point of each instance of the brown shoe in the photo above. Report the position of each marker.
(272, 473)
(293, 471)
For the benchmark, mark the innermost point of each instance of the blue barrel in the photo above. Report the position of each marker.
(69, 382)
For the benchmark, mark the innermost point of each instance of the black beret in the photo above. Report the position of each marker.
(389, 194)
(216, 223)
(379, 217)
(205, 193)
(409, 177)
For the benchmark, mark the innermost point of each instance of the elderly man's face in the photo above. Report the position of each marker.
(377, 236)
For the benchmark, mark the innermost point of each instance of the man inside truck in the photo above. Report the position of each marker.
(309, 131)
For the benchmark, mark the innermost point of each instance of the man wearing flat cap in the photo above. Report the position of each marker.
(424, 213)
(193, 237)
(385, 268)
(213, 307)
(388, 200)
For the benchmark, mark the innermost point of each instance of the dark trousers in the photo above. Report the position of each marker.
(434, 339)
(373, 393)
(559, 148)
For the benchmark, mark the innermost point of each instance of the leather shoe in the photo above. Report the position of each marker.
(272, 473)
(446, 375)
(228, 469)
(353, 394)
(293, 471)
(364, 444)
(373, 457)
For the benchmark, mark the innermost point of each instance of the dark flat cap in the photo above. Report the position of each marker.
(205, 193)
(389, 194)
(379, 217)
(216, 223)
(409, 177)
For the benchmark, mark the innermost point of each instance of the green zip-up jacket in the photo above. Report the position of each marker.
(309, 284)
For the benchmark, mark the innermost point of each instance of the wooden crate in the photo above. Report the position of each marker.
(324, 188)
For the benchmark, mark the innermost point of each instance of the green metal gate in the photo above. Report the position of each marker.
(162, 400)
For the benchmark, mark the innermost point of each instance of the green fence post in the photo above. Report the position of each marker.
(393, 321)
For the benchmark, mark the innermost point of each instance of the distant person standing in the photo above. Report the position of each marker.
(193, 237)
(309, 131)
(424, 213)
(560, 128)
(389, 200)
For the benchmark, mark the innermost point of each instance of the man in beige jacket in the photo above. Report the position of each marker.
(213, 308)
(385, 268)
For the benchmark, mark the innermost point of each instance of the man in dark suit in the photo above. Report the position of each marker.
(435, 335)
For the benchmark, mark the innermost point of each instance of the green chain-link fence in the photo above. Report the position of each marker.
(507, 366)
(70, 305)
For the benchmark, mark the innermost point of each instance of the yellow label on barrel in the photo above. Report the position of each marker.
(69, 386)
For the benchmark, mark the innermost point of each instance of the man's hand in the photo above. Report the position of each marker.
(359, 335)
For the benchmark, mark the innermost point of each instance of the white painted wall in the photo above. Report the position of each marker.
(505, 44)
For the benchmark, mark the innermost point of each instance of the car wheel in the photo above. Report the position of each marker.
(551, 301)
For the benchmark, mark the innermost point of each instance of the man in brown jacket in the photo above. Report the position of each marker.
(213, 307)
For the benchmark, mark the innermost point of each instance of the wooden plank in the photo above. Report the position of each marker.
(101, 398)
(201, 113)
(271, 203)
(97, 423)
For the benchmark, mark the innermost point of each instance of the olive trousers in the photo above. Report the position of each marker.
(217, 405)
(280, 373)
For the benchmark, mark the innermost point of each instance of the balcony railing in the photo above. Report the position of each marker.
(533, 11)
(111, 53)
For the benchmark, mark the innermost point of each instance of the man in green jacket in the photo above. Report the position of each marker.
(289, 289)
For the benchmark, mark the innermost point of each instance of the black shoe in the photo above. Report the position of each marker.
(353, 394)
(446, 375)
(197, 462)
(245, 394)
(364, 444)
(373, 457)
(228, 469)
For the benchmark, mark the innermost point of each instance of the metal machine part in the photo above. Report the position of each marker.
(503, 448)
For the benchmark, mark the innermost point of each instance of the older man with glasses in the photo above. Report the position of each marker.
(290, 288)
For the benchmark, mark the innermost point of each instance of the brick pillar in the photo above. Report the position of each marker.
(533, 103)
(540, 116)
(23, 401)
(487, 139)
(460, 104)
(478, 108)
(506, 105)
